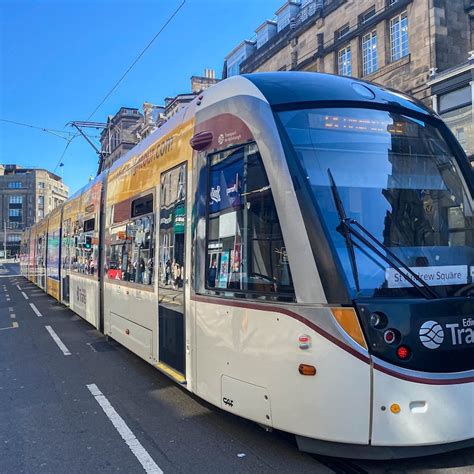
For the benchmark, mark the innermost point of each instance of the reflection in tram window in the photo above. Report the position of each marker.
(85, 240)
(172, 227)
(397, 177)
(245, 250)
(129, 255)
(67, 245)
(41, 257)
(53, 254)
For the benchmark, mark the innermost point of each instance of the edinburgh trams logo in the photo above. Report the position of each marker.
(432, 334)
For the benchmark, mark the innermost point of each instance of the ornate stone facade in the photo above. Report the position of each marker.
(396, 43)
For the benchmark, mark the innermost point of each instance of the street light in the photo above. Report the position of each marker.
(4, 239)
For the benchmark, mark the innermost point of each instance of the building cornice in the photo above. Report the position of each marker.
(452, 72)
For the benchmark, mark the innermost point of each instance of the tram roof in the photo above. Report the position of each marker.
(289, 87)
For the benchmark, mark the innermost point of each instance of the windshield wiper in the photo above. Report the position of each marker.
(347, 226)
(345, 230)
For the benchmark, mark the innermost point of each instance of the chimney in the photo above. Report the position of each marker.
(209, 73)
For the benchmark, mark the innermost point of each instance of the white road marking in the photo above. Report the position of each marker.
(58, 341)
(36, 310)
(18, 286)
(91, 346)
(125, 432)
(25, 295)
(13, 315)
(13, 326)
(10, 309)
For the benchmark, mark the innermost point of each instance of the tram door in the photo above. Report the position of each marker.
(172, 269)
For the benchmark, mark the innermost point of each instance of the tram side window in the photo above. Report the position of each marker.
(67, 245)
(85, 239)
(40, 252)
(245, 247)
(130, 252)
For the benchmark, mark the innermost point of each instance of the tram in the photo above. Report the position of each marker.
(294, 248)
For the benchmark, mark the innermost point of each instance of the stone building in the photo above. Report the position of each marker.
(397, 43)
(120, 135)
(198, 84)
(152, 116)
(129, 126)
(453, 98)
(27, 195)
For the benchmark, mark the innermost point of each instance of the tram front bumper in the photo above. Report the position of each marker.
(410, 419)
(431, 412)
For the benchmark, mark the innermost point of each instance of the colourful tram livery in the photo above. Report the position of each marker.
(295, 248)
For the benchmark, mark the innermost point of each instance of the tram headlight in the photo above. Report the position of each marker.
(378, 320)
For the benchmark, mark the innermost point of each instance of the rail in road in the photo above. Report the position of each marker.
(71, 401)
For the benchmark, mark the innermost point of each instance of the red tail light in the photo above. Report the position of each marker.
(403, 352)
(389, 336)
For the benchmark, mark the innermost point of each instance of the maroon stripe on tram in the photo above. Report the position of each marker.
(411, 378)
(286, 312)
(334, 340)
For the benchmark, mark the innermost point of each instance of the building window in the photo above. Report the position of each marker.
(245, 247)
(40, 200)
(40, 214)
(13, 238)
(344, 63)
(14, 185)
(283, 19)
(15, 200)
(461, 136)
(341, 32)
(399, 36)
(233, 69)
(41, 185)
(369, 53)
(365, 17)
(456, 110)
(15, 217)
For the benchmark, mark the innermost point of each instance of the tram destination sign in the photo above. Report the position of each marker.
(433, 276)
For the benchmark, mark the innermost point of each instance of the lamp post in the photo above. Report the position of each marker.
(4, 239)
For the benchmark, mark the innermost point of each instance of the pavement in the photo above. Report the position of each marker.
(72, 401)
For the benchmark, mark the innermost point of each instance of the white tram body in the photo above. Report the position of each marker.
(209, 250)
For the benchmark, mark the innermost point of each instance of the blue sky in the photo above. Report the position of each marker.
(58, 59)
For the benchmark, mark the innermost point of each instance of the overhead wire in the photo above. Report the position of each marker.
(52, 131)
(114, 87)
(168, 21)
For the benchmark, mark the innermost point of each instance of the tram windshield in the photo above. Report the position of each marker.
(397, 178)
